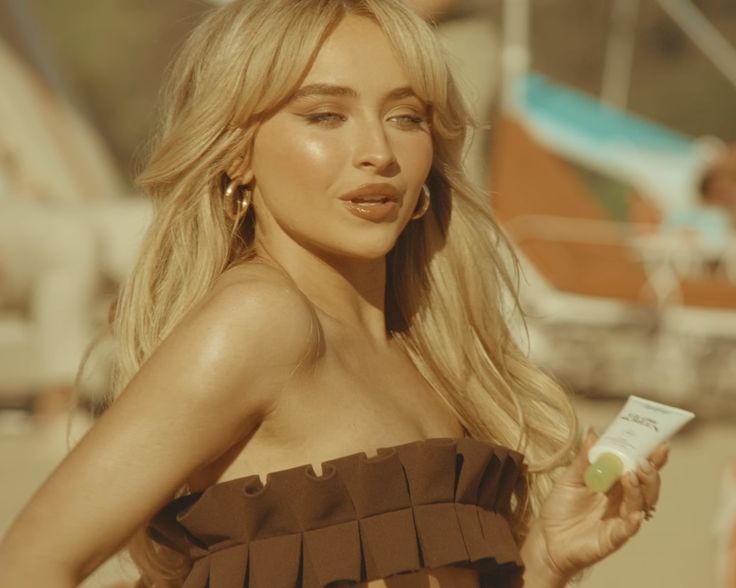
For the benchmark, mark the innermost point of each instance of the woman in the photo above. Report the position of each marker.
(320, 281)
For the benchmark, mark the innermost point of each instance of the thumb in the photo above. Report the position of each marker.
(589, 439)
(580, 463)
(581, 459)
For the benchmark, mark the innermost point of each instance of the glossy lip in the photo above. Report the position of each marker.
(383, 190)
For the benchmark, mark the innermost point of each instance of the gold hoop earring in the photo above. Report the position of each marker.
(236, 207)
(425, 195)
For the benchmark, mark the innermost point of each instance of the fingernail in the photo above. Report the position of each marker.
(633, 479)
(646, 466)
(637, 517)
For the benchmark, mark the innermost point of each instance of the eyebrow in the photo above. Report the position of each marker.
(333, 90)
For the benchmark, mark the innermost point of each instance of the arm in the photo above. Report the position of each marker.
(208, 385)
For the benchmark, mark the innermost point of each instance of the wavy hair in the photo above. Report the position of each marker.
(450, 276)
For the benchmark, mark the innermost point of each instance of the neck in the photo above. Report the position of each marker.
(350, 292)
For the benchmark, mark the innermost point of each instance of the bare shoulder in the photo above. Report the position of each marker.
(255, 279)
(237, 349)
(207, 385)
(256, 308)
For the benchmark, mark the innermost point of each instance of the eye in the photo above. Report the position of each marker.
(325, 118)
(409, 121)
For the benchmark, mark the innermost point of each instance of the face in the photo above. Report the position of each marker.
(327, 166)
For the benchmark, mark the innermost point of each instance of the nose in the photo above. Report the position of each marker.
(373, 148)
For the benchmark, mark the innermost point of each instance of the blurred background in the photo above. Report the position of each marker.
(607, 133)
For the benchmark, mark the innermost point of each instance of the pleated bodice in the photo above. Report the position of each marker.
(425, 504)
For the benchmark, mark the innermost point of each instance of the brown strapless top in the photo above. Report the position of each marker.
(425, 504)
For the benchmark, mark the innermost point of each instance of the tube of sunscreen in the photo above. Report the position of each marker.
(636, 431)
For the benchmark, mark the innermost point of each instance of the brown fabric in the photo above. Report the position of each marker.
(425, 504)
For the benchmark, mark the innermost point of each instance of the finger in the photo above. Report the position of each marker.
(660, 455)
(650, 484)
(580, 463)
(614, 499)
(633, 499)
(616, 532)
(589, 439)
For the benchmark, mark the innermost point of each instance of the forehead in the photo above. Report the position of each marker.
(358, 54)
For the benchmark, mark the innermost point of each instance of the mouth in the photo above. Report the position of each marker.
(369, 200)
(370, 194)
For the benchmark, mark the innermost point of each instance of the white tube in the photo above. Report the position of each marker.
(633, 435)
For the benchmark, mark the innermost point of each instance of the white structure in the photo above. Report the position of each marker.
(63, 224)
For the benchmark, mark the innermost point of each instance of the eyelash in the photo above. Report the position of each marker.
(323, 118)
(330, 118)
(413, 120)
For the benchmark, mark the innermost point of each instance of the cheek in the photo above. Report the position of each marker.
(416, 156)
(307, 150)
(284, 159)
(428, 157)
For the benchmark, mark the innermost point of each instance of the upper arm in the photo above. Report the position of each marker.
(206, 386)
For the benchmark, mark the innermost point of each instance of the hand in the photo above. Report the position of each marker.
(578, 527)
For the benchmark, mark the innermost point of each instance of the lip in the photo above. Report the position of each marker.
(376, 212)
(383, 190)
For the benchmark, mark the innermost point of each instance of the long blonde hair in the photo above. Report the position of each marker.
(447, 279)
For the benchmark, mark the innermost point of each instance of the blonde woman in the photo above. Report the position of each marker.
(316, 383)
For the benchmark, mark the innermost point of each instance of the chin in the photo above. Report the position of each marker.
(368, 249)
(376, 247)
(368, 253)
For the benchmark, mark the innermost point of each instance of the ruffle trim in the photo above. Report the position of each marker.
(424, 504)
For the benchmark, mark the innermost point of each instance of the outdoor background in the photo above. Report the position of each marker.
(107, 59)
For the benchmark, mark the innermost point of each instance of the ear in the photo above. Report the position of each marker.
(238, 170)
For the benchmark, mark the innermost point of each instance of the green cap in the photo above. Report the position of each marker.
(602, 474)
